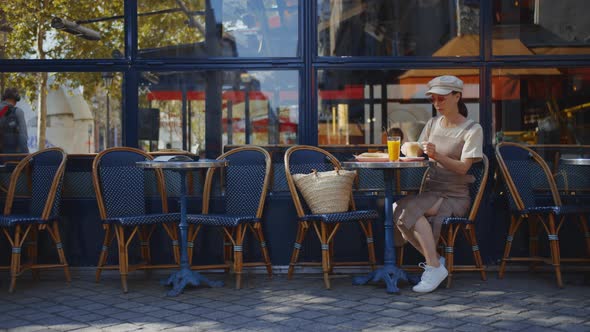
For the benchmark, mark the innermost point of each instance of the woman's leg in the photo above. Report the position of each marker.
(409, 236)
(423, 233)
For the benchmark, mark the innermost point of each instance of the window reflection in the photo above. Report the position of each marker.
(543, 27)
(541, 105)
(254, 107)
(361, 107)
(78, 112)
(28, 29)
(249, 28)
(395, 27)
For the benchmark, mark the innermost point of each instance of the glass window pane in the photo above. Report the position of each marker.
(258, 28)
(361, 106)
(61, 29)
(254, 107)
(398, 28)
(79, 112)
(541, 105)
(542, 27)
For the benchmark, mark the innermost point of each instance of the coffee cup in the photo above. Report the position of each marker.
(413, 149)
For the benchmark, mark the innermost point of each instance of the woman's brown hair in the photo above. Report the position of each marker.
(461, 105)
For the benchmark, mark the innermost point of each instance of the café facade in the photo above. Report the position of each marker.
(207, 76)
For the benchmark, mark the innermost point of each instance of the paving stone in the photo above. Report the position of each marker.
(510, 325)
(161, 313)
(218, 315)
(333, 320)
(394, 313)
(272, 317)
(413, 327)
(307, 314)
(124, 327)
(253, 313)
(571, 327)
(13, 323)
(369, 308)
(296, 322)
(28, 328)
(238, 320)
(474, 327)
(525, 302)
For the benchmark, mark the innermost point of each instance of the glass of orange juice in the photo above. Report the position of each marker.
(393, 146)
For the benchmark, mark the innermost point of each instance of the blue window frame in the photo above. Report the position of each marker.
(309, 64)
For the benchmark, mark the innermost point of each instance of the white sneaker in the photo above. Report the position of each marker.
(431, 278)
(441, 260)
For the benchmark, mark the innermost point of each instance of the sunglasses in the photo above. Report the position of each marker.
(438, 98)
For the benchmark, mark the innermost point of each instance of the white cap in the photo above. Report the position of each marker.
(443, 85)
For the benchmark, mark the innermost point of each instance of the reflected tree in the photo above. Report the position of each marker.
(33, 38)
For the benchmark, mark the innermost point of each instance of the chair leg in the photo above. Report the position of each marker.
(145, 233)
(584, 226)
(238, 254)
(106, 243)
(449, 252)
(533, 243)
(193, 232)
(144, 238)
(554, 244)
(399, 255)
(54, 232)
(32, 251)
(264, 249)
(301, 232)
(514, 223)
(228, 250)
(368, 230)
(325, 254)
(330, 229)
(172, 230)
(15, 258)
(470, 235)
(123, 262)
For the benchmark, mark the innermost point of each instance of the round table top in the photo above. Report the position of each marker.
(201, 163)
(387, 164)
(575, 161)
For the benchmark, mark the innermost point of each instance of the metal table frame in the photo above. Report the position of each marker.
(575, 161)
(390, 273)
(185, 276)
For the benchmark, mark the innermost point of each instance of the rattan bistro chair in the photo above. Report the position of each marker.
(120, 188)
(452, 225)
(244, 184)
(46, 170)
(530, 185)
(304, 159)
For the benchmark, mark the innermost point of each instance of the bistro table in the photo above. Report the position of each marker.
(575, 161)
(185, 276)
(390, 273)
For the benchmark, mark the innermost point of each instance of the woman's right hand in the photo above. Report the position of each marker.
(430, 149)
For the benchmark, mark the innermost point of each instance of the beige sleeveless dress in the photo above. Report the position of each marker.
(460, 142)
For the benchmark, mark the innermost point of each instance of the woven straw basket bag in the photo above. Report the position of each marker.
(326, 192)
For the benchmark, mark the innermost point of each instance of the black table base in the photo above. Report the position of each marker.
(186, 277)
(390, 275)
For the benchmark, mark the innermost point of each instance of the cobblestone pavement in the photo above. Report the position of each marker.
(522, 301)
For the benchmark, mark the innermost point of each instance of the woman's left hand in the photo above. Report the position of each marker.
(430, 149)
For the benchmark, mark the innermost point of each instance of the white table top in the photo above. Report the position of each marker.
(575, 161)
(387, 164)
(181, 165)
